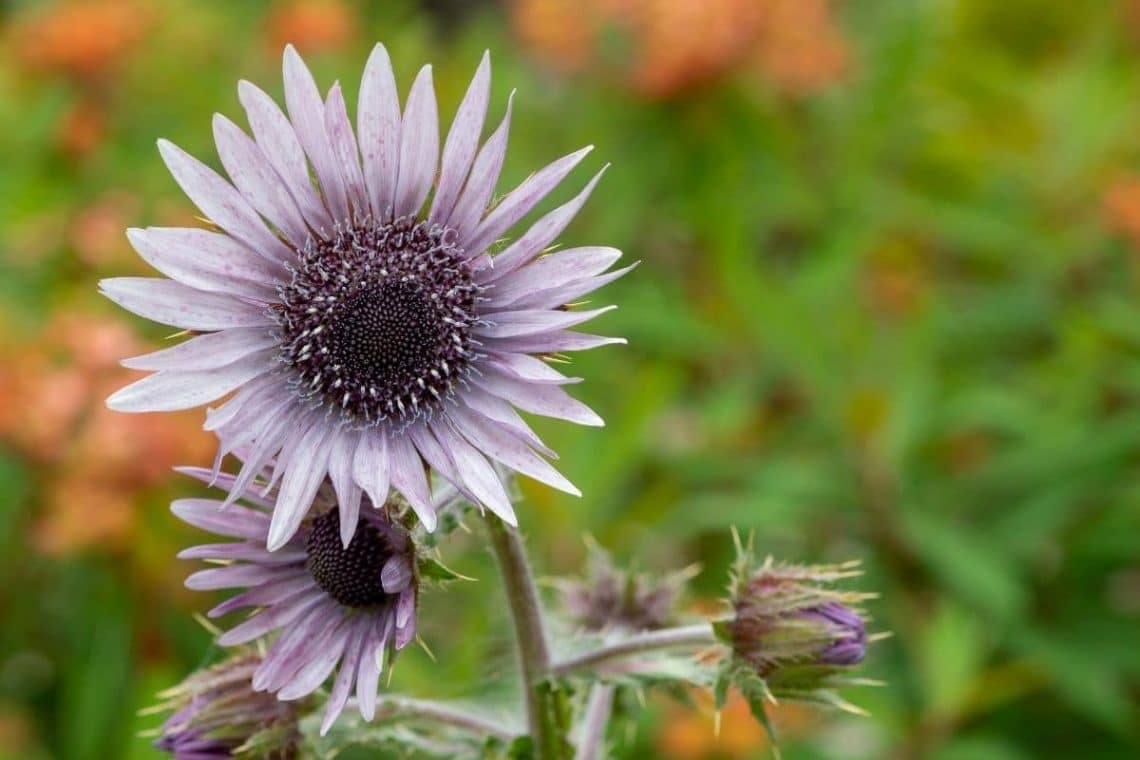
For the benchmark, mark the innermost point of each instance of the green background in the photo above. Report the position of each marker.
(893, 318)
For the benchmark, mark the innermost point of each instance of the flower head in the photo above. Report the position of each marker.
(331, 605)
(609, 597)
(792, 635)
(788, 615)
(353, 298)
(217, 714)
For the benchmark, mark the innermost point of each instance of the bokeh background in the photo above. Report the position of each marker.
(888, 308)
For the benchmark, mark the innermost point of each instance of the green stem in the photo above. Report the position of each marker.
(530, 634)
(591, 739)
(456, 716)
(697, 635)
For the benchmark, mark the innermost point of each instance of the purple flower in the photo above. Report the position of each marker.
(331, 605)
(354, 298)
(789, 615)
(217, 714)
(848, 632)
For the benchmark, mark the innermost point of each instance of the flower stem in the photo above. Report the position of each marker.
(534, 656)
(697, 635)
(592, 731)
(438, 712)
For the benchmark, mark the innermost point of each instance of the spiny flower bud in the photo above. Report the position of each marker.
(790, 615)
(607, 597)
(217, 714)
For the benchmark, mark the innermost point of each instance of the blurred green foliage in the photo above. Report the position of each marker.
(888, 320)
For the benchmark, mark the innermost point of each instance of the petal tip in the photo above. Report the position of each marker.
(276, 540)
(119, 401)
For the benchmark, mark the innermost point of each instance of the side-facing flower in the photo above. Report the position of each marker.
(217, 714)
(330, 605)
(793, 634)
(354, 297)
(791, 615)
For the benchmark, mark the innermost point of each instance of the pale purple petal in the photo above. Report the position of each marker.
(549, 271)
(286, 655)
(481, 182)
(498, 410)
(264, 390)
(278, 591)
(221, 203)
(259, 400)
(407, 472)
(528, 368)
(437, 457)
(255, 177)
(323, 653)
(419, 146)
(563, 294)
(405, 618)
(342, 452)
(396, 575)
(208, 261)
(268, 434)
(172, 303)
(345, 149)
(272, 618)
(308, 465)
(301, 425)
(307, 114)
(462, 142)
(242, 551)
(547, 400)
(170, 390)
(477, 474)
(230, 576)
(512, 324)
(378, 127)
(209, 351)
(522, 199)
(552, 342)
(279, 144)
(370, 466)
(372, 665)
(224, 481)
(494, 441)
(234, 521)
(346, 676)
(542, 233)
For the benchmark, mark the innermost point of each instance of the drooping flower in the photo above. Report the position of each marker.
(217, 714)
(331, 605)
(362, 317)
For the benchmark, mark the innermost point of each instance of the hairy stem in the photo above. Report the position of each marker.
(697, 635)
(530, 633)
(592, 731)
(455, 716)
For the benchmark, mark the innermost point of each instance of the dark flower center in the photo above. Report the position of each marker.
(377, 320)
(350, 576)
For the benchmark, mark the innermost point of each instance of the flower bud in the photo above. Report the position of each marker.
(789, 615)
(217, 714)
(607, 597)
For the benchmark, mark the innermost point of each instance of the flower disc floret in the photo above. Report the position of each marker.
(376, 321)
